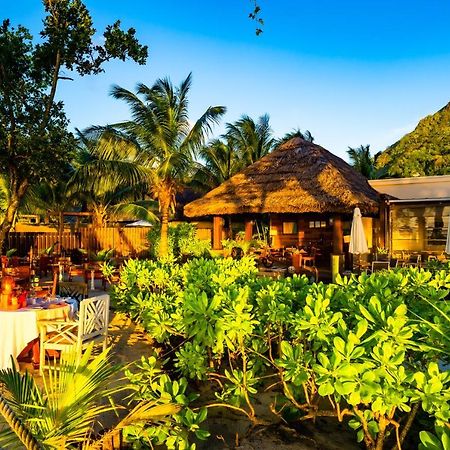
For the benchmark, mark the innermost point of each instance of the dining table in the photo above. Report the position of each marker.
(19, 329)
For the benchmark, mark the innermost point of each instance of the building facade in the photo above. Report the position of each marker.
(416, 213)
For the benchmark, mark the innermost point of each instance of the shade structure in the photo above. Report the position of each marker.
(140, 223)
(447, 244)
(298, 177)
(358, 242)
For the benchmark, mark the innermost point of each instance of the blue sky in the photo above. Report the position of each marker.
(352, 72)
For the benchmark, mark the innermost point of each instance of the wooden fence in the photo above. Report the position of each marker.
(125, 241)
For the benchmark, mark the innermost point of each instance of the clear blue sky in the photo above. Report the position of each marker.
(352, 72)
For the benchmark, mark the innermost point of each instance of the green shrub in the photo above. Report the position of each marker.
(152, 384)
(364, 348)
(183, 242)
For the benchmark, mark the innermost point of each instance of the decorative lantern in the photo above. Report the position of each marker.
(8, 284)
(6, 294)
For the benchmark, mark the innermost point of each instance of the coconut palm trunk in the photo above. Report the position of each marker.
(157, 147)
(165, 199)
(164, 241)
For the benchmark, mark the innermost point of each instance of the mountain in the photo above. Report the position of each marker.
(424, 151)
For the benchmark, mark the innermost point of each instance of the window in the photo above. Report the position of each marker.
(419, 227)
(317, 224)
(289, 227)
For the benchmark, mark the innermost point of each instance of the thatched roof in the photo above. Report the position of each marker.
(297, 177)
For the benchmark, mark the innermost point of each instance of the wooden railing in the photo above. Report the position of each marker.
(125, 241)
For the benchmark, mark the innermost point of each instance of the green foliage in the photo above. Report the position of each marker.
(362, 160)
(423, 152)
(240, 242)
(64, 412)
(440, 441)
(34, 138)
(104, 255)
(152, 383)
(245, 141)
(365, 347)
(183, 242)
(156, 147)
(10, 252)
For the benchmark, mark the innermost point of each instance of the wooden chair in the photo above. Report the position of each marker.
(78, 271)
(44, 264)
(414, 261)
(95, 272)
(74, 289)
(47, 288)
(91, 327)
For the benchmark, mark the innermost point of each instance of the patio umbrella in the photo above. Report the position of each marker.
(447, 245)
(140, 223)
(358, 243)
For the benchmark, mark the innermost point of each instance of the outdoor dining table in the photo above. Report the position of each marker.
(19, 329)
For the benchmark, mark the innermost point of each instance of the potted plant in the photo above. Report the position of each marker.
(382, 254)
(6, 257)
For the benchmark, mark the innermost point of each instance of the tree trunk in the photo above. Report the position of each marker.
(164, 204)
(11, 211)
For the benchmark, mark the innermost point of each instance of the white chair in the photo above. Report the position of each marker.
(91, 326)
(380, 265)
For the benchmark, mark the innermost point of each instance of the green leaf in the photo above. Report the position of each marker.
(366, 313)
(430, 441)
(326, 389)
(339, 344)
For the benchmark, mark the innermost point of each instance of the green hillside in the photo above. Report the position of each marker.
(424, 151)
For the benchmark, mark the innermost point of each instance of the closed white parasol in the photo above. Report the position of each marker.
(358, 242)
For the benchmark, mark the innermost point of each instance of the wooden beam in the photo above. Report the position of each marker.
(217, 232)
(248, 230)
(338, 235)
(78, 214)
(382, 238)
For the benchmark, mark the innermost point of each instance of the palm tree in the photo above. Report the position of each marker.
(296, 133)
(107, 197)
(157, 146)
(252, 139)
(65, 412)
(362, 160)
(50, 199)
(220, 160)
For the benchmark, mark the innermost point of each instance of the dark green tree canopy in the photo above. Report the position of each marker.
(30, 148)
(35, 144)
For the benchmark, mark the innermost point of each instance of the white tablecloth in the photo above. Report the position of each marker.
(18, 328)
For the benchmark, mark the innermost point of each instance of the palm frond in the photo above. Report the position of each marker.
(144, 412)
(143, 210)
(64, 412)
(202, 129)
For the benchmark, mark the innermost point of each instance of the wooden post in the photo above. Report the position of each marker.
(217, 232)
(338, 236)
(382, 240)
(248, 230)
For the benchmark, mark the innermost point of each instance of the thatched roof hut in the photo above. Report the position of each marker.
(298, 177)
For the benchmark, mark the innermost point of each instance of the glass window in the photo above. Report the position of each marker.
(419, 228)
(289, 227)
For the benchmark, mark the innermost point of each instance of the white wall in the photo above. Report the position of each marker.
(414, 188)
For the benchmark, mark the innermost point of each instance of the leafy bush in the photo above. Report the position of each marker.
(365, 348)
(64, 411)
(183, 242)
(152, 384)
(241, 243)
